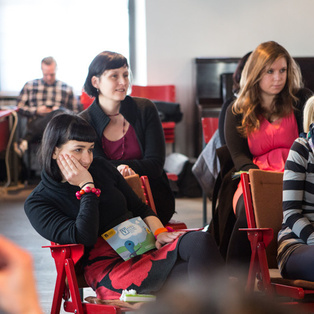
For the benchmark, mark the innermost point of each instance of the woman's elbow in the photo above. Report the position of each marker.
(87, 239)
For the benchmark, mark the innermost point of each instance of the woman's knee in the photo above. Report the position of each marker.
(300, 264)
(198, 244)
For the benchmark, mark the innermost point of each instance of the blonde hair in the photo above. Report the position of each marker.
(249, 100)
(308, 114)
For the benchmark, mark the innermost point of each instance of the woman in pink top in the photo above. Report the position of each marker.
(261, 125)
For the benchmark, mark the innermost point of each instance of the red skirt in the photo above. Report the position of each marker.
(108, 274)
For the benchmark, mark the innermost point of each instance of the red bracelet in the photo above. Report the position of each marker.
(161, 230)
(87, 190)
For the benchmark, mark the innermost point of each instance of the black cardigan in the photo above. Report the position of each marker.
(143, 116)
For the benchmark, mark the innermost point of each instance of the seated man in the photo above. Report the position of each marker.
(40, 100)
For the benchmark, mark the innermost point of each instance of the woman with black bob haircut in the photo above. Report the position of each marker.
(79, 198)
(101, 63)
(129, 130)
(56, 136)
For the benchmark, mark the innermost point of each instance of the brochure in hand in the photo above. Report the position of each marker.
(132, 296)
(130, 238)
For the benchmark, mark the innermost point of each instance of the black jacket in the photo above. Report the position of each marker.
(143, 116)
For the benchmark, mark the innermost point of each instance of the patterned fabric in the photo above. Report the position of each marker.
(37, 93)
(298, 201)
(108, 274)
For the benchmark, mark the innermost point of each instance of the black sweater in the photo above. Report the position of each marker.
(57, 215)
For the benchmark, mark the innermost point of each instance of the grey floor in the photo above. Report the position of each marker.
(15, 225)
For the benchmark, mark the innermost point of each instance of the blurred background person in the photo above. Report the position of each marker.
(39, 101)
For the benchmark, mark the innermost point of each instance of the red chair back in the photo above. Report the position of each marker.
(169, 131)
(209, 125)
(262, 191)
(245, 182)
(155, 92)
(152, 92)
(162, 93)
(86, 100)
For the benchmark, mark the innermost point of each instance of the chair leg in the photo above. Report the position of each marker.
(74, 290)
(258, 263)
(264, 268)
(254, 266)
(59, 256)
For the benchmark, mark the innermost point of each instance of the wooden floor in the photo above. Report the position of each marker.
(15, 225)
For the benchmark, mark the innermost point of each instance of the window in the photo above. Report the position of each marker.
(72, 31)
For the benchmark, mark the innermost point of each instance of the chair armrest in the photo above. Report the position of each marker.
(264, 235)
(53, 245)
(61, 251)
(256, 229)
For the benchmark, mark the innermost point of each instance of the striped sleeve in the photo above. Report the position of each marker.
(298, 211)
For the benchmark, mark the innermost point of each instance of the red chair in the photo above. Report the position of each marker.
(162, 93)
(8, 125)
(177, 225)
(169, 132)
(69, 281)
(86, 100)
(155, 92)
(262, 192)
(209, 126)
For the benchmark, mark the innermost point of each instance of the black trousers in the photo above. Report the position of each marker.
(198, 257)
(239, 248)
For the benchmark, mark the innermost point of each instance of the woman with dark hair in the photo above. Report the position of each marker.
(79, 198)
(262, 124)
(129, 130)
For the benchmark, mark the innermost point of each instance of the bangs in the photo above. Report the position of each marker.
(117, 63)
(81, 132)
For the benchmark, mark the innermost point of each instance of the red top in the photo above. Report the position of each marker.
(126, 147)
(270, 144)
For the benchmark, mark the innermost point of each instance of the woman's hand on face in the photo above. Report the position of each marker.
(125, 170)
(167, 237)
(72, 171)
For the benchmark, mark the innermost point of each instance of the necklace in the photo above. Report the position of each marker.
(113, 115)
(112, 148)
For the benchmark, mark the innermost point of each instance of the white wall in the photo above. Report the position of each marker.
(179, 30)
